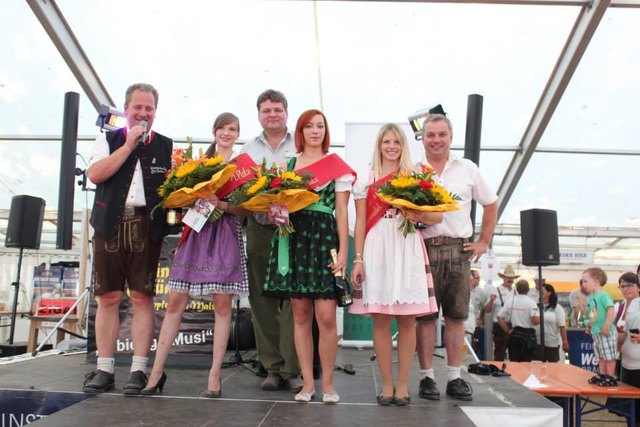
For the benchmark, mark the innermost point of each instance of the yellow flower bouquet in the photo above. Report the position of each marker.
(418, 191)
(192, 179)
(275, 187)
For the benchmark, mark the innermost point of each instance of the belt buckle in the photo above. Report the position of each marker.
(129, 212)
(437, 241)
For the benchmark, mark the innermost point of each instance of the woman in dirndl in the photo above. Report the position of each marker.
(303, 269)
(391, 272)
(209, 263)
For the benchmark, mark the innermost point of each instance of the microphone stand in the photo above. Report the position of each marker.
(236, 358)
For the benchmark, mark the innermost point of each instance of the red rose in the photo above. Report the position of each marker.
(426, 185)
(275, 183)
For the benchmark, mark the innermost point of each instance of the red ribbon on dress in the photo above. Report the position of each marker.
(376, 207)
(325, 170)
(242, 174)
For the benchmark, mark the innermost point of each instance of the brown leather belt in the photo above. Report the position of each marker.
(133, 211)
(444, 240)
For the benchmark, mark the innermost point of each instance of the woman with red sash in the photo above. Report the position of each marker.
(392, 271)
(211, 262)
(305, 271)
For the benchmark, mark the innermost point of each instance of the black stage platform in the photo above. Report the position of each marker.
(495, 400)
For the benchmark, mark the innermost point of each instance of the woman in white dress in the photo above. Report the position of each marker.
(391, 271)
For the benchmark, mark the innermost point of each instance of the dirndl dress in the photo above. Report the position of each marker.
(212, 261)
(308, 254)
(398, 278)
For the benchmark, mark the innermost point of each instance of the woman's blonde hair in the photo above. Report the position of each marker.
(405, 157)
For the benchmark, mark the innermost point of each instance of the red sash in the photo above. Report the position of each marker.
(242, 175)
(326, 169)
(376, 207)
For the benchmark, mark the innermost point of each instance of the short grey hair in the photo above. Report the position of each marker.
(431, 118)
(144, 87)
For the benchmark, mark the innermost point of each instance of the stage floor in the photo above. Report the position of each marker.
(245, 404)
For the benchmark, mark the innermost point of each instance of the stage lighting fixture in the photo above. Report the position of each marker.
(416, 120)
(110, 118)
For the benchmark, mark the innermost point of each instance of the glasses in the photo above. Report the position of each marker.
(625, 287)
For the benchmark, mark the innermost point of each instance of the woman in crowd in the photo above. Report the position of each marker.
(309, 279)
(628, 285)
(211, 262)
(555, 330)
(391, 270)
(630, 336)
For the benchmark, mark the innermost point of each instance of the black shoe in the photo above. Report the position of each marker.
(428, 389)
(386, 400)
(136, 382)
(98, 382)
(210, 394)
(150, 391)
(596, 379)
(459, 389)
(402, 401)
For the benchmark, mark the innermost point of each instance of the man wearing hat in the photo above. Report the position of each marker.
(499, 297)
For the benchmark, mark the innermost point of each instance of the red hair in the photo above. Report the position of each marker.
(302, 122)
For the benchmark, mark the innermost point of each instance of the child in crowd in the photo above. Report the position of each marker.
(601, 326)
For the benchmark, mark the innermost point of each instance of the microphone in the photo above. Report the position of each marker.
(143, 137)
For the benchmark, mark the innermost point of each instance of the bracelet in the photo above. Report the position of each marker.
(358, 260)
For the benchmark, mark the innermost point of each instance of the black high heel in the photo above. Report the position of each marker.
(210, 394)
(150, 391)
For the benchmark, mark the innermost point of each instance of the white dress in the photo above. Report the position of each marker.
(398, 279)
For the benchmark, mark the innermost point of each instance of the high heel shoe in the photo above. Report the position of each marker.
(150, 391)
(210, 394)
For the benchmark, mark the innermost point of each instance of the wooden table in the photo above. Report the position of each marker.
(570, 384)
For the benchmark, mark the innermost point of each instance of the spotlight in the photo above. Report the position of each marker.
(416, 120)
(110, 118)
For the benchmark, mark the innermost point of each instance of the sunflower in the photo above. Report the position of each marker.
(290, 175)
(213, 161)
(186, 168)
(404, 182)
(257, 186)
(444, 194)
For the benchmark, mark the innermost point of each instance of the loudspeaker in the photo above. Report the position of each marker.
(25, 222)
(67, 170)
(539, 233)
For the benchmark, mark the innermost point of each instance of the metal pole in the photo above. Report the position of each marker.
(541, 302)
(14, 309)
(472, 140)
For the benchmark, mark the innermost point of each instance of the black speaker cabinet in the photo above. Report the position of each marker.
(25, 222)
(539, 233)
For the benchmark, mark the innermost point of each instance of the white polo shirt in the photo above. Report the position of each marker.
(520, 312)
(462, 177)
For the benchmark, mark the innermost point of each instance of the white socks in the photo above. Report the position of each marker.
(427, 373)
(453, 373)
(139, 363)
(106, 364)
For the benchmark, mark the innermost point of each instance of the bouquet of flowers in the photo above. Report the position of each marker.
(277, 191)
(192, 179)
(417, 191)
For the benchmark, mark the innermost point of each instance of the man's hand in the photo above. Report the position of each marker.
(478, 248)
(133, 135)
